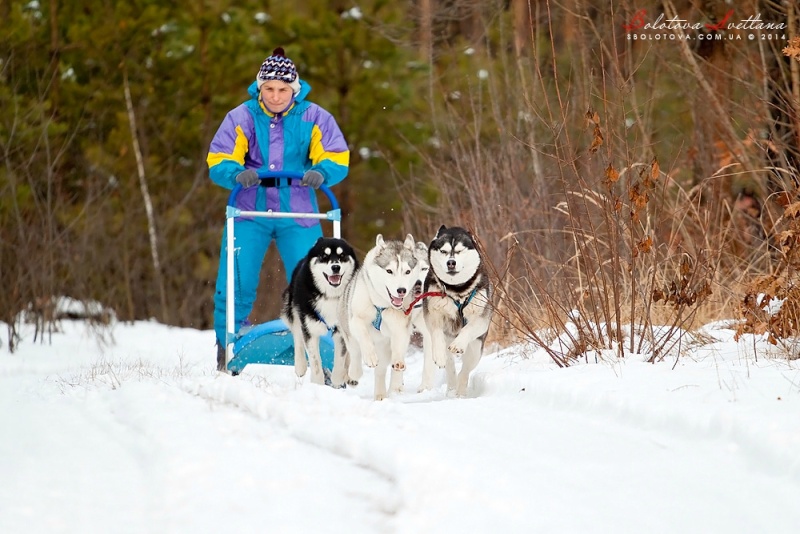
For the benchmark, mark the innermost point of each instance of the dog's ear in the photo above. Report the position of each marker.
(409, 243)
(379, 242)
(441, 229)
(473, 238)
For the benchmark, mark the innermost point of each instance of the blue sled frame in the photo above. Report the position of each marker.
(270, 342)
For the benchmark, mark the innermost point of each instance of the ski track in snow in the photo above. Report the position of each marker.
(175, 457)
(622, 396)
(440, 450)
(189, 450)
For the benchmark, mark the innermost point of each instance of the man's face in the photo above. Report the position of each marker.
(276, 95)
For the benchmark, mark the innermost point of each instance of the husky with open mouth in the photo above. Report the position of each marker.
(376, 329)
(311, 301)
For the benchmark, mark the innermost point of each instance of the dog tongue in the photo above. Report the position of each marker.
(397, 301)
(335, 279)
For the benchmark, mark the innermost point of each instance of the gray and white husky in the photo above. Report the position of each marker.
(311, 302)
(459, 313)
(376, 329)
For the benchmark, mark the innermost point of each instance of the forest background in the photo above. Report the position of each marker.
(620, 171)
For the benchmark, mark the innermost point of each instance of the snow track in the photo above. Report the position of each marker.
(588, 444)
(137, 439)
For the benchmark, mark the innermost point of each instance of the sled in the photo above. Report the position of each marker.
(270, 342)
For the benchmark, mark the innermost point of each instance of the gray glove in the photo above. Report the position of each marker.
(248, 178)
(312, 179)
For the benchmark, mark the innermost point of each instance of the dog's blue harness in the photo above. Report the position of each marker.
(378, 318)
(462, 305)
(319, 317)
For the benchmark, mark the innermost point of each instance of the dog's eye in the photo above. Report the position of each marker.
(444, 252)
(389, 271)
(408, 271)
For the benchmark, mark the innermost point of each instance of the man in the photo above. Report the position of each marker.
(277, 129)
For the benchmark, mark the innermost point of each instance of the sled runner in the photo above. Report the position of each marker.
(270, 342)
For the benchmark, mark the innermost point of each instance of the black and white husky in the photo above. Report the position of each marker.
(458, 309)
(311, 302)
(374, 324)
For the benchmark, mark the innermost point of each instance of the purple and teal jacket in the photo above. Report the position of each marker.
(303, 137)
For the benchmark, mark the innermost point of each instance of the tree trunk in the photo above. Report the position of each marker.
(470, 24)
(55, 55)
(148, 203)
(523, 16)
(426, 30)
(782, 94)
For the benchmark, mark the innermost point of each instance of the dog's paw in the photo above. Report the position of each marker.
(456, 348)
(337, 378)
(317, 377)
(355, 372)
(371, 360)
(440, 360)
(380, 396)
(399, 366)
(425, 385)
(396, 382)
(300, 369)
(352, 383)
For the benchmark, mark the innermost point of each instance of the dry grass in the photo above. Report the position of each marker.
(594, 245)
(113, 374)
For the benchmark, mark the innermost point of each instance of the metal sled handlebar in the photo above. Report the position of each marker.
(334, 215)
(286, 175)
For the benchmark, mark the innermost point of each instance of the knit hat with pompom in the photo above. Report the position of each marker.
(279, 67)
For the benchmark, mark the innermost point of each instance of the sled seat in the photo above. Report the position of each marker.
(271, 343)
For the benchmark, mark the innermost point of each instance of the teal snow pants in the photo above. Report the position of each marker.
(252, 239)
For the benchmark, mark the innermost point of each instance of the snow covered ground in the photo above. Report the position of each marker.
(140, 435)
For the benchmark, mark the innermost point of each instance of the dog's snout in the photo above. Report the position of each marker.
(451, 264)
(336, 268)
(401, 291)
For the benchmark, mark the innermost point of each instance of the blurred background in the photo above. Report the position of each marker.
(615, 168)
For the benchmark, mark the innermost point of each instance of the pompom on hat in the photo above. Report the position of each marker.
(279, 67)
